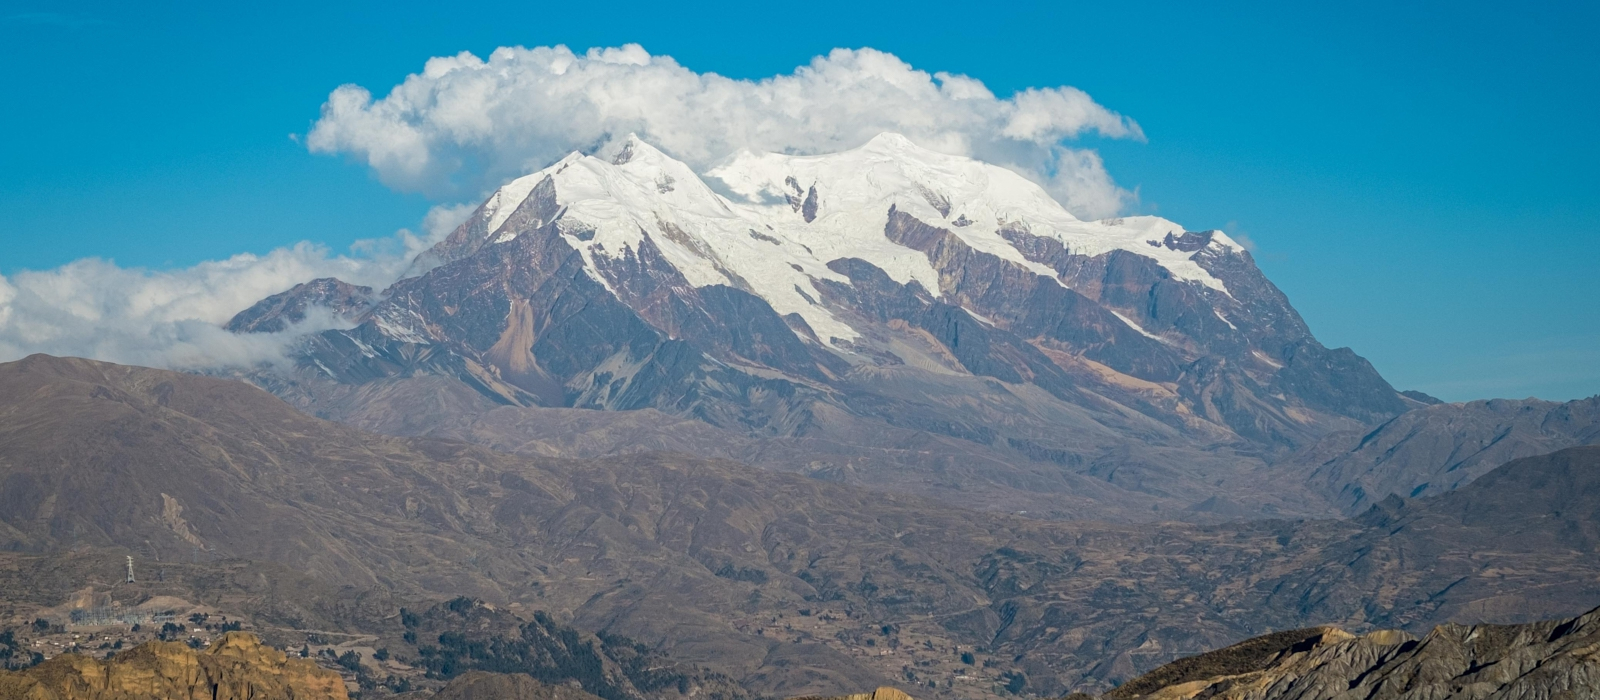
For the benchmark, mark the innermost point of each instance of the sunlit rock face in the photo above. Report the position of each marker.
(235, 667)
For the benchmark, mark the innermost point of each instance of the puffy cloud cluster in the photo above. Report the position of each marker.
(173, 319)
(464, 125)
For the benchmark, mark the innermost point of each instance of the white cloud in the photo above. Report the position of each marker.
(465, 125)
(173, 319)
(442, 219)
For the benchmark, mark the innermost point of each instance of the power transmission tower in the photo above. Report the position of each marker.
(130, 569)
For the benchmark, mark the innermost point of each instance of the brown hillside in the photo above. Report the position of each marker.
(791, 585)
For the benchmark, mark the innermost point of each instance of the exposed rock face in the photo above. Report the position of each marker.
(889, 303)
(235, 667)
(1554, 659)
(1247, 656)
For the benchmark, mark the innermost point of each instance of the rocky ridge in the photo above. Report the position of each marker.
(235, 667)
(1552, 659)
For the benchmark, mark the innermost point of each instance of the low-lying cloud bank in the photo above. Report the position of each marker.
(464, 125)
(173, 318)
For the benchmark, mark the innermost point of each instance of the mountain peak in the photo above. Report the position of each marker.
(637, 149)
(891, 142)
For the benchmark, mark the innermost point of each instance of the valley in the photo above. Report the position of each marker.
(786, 584)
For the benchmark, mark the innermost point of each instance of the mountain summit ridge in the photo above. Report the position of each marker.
(813, 209)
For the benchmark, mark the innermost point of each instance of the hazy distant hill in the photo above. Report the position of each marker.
(1435, 449)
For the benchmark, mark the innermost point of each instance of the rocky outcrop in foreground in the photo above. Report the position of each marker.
(235, 667)
(1555, 659)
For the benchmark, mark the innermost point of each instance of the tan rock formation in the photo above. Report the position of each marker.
(235, 667)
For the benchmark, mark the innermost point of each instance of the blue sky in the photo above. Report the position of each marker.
(1421, 180)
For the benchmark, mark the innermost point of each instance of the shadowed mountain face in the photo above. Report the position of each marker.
(1552, 659)
(789, 585)
(896, 313)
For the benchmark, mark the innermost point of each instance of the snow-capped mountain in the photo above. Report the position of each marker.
(878, 298)
(782, 219)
